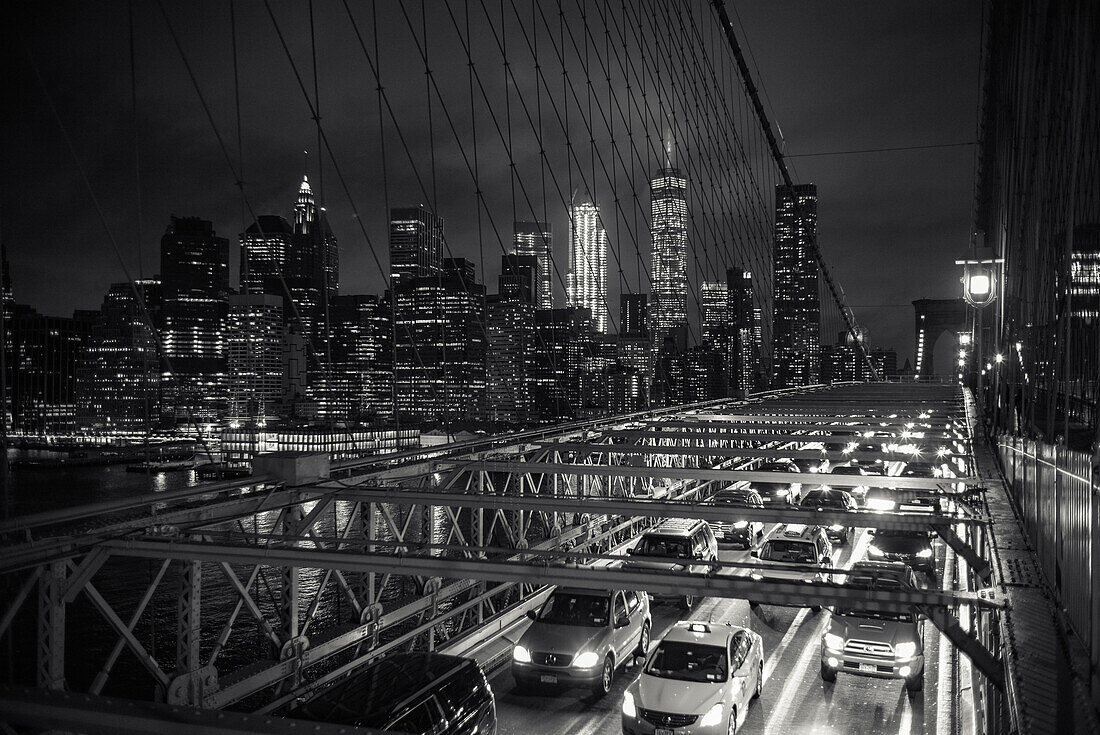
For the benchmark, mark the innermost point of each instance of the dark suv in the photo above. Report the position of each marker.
(826, 498)
(778, 492)
(418, 693)
(742, 531)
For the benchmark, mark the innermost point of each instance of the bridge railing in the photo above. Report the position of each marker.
(1055, 490)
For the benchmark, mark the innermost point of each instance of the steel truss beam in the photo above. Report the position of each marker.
(657, 508)
(730, 452)
(987, 662)
(772, 423)
(698, 473)
(799, 594)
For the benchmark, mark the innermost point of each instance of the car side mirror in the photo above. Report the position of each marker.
(632, 550)
(826, 560)
(622, 621)
(532, 614)
(870, 532)
(755, 553)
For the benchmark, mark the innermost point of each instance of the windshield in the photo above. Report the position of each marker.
(663, 546)
(575, 609)
(789, 551)
(688, 662)
(846, 471)
(821, 500)
(893, 533)
(742, 500)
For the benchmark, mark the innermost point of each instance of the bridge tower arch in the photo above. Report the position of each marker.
(933, 317)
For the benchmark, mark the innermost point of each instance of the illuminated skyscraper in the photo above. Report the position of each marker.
(634, 315)
(535, 238)
(512, 339)
(267, 248)
(254, 348)
(797, 321)
(359, 382)
(317, 249)
(416, 244)
(714, 302)
(194, 268)
(119, 385)
(668, 202)
(586, 283)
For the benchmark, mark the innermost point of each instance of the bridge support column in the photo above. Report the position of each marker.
(51, 627)
(288, 593)
(191, 680)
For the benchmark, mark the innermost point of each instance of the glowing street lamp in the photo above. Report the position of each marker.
(979, 279)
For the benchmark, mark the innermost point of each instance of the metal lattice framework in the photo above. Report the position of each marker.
(442, 552)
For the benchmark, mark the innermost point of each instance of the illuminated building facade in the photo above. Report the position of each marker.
(1084, 277)
(416, 245)
(267, 248)
(512, 340)
(314, 266)
(564, 339)
(536, 239)
(46, 356)
(797, 318)
(194, 267)
(254, 349)
(240, 445)
(119, 383)
(586, 282)
(668, 204)
(634, 315)
(359, 383)
(713, 301)
(440, 345)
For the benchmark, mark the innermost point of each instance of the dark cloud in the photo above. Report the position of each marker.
(838, 77)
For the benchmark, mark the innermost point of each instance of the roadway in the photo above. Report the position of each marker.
(794, 700)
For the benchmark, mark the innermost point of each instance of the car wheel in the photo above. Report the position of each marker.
(915, 683)
(759, 681)
(643, 641)
(827, 674)
(731, 728)
(607, 676)
(815, 608)
(687, 602)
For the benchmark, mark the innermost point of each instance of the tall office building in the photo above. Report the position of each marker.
(714, 303)
(440, 345)
(267, 252)
(7, 304)
(358, 384)
(586, 282)
(536, 239)
(511, 361)
(564, 342)
(47, 355)
(316, 245)
(519, 278)
(254, 351)
(119, 383)
(194, 267)
(797, 320)
(416, 244)
(668, 203)
(634, 315)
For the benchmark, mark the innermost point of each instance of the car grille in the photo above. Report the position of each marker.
(544, 658)
(869, 648)
(667, 719)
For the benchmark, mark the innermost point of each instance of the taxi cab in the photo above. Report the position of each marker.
(699, 680)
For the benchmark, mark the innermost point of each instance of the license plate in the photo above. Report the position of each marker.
(870, 668)
(664, 731)
(548, 679)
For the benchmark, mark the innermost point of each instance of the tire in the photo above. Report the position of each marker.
(731, 728)
(915, 683)
(815, 609)
(827, 674)
(607, 678)
(759, 681)
(687, 601)
(643, 642)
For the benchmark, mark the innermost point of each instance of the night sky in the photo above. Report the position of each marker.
(838, 77)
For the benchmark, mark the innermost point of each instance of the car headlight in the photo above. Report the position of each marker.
(586, 660)
(629, 710)
(834, 642)
(836, 527)
(741, 524)
(521, 654)
(924, 553)
(874, 550)
(905, 649)
(808, 579)
(756, 577)
(782, 493)
(712, 717)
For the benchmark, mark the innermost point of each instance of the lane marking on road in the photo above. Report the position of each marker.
(777, 652)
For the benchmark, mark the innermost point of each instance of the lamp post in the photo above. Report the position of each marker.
(980, 290)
